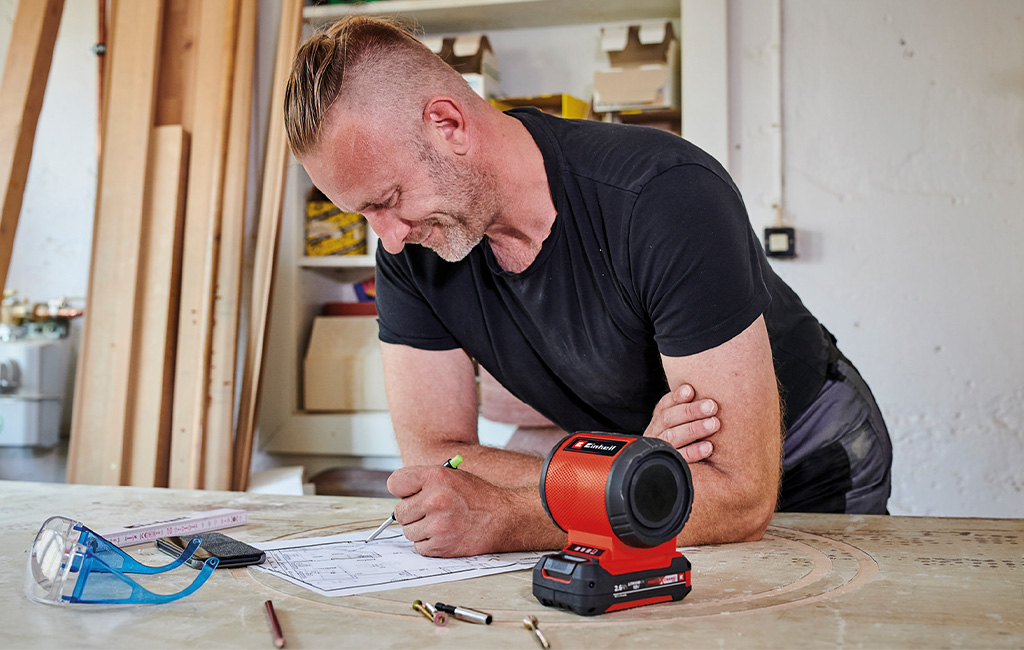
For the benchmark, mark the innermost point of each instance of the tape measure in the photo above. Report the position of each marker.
(622, 500)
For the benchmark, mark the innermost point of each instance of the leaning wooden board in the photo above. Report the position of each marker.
(271, 200)
(159, 278)
(224, 346)
(26, 69)
(218, 29)
(101, 416)
(175, 97)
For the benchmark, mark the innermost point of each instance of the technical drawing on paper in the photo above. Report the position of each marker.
(345, 565)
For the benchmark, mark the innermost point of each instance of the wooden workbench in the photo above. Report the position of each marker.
(813, 581)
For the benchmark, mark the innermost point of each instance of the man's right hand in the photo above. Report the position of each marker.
(454, 513)
(684, 423)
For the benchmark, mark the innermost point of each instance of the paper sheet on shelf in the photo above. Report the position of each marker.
(345, 565)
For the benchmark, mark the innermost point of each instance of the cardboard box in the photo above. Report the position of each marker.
(473, 58)
(644, 72)
(561, 105)
(342, 370)
(667, 119)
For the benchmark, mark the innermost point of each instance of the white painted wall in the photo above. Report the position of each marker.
(903, 139)
(903, 155)
(54, 237)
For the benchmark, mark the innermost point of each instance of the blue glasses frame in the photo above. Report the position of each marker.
(69, 564)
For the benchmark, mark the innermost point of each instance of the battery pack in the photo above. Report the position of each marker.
(581, 585)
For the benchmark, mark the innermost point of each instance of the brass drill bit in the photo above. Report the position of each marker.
(530, 623)
(431, 614)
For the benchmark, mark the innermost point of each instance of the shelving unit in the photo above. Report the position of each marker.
(337, 262)
(302, 284)
(436, 16)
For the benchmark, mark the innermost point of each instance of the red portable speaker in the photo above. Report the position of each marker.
(622, 500)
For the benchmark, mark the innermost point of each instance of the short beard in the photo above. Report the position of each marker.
(469, 199)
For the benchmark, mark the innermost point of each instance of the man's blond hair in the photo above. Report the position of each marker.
(375, 61)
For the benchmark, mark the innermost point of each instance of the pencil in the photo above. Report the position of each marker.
(275, 627)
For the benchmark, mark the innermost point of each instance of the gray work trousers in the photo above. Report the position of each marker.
(837, 456)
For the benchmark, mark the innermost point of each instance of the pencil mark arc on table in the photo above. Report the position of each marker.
(821, 552)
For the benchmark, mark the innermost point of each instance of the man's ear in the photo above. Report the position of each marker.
(444, 117)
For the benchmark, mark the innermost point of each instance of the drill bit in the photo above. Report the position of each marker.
(431, 614)
(530, 623)
(465, 613)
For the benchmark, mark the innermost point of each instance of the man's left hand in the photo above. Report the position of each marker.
(685, 423)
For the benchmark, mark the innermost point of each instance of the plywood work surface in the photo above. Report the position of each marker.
(813, 581)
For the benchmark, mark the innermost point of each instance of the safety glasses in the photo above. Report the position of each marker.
(69, 564)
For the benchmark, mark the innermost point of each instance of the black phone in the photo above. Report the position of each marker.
(230, 551)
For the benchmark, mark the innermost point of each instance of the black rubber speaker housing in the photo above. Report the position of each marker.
(649, 493)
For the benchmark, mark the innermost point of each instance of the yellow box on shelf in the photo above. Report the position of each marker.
(329, 231)
(562, 105)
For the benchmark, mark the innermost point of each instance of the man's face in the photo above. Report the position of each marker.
(409, 192)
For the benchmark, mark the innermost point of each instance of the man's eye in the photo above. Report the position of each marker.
(387, 204)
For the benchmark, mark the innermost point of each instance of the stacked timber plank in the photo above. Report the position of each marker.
(104, 406)
(271, 197)
(156, 396)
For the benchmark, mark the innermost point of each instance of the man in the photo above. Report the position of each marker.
(606, 275)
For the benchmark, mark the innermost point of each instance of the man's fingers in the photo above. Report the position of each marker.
(409, 484)
(429, 534)
(682, 394)
(430, 548)
(686, 434)
(677, 408)
(405, 481)
(669, 401)
(696, 452)
(410, 510)
(689, 413)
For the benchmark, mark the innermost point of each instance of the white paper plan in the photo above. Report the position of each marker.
(345, 565)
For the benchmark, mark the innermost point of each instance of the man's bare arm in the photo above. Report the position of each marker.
(492, 502)
(432, 396)
(736, 487)
(433, 402)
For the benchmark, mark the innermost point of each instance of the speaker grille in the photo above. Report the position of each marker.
(575, 495)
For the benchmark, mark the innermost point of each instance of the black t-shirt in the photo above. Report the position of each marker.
(650, 253)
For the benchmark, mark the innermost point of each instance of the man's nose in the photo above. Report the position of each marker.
(391, 230)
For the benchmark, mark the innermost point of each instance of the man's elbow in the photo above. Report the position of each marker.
(759, 495)
(729, 507)
(757, 522)
(760, 508)
(747, 505)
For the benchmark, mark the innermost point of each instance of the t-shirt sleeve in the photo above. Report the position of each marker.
(695, 260)
(403, 315)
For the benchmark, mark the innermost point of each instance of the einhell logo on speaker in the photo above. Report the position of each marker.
(596, 446)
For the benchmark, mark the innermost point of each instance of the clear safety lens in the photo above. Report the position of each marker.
(71, 564)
